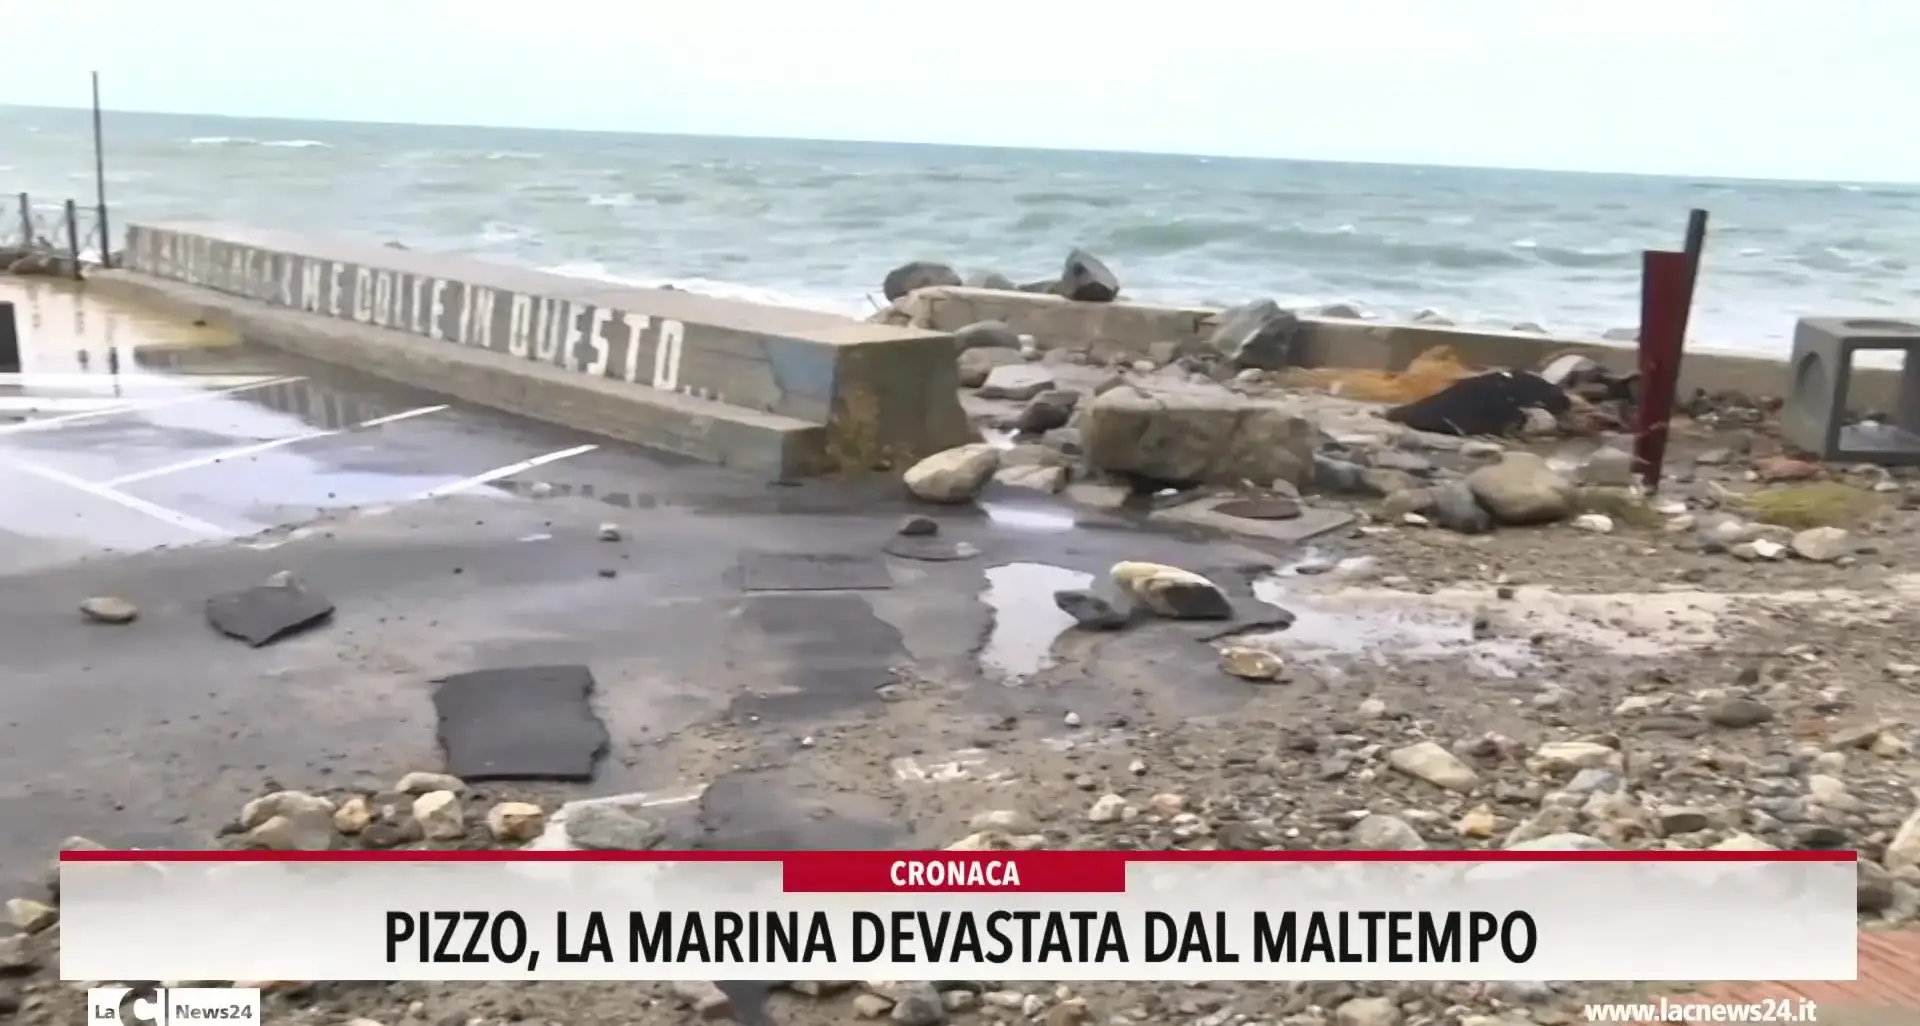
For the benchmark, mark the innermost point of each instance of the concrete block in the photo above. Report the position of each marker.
(883, 397)
(1822, 392)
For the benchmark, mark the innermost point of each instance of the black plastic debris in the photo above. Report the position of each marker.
(1495, 403)
(266, 613)
(523, 723)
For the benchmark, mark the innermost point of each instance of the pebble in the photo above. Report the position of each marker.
(107, 609)
(1594, 523)
(609, 532)
(352, 816)
(516, 822)
(1738, 713)
(1820, 544)
(440, 815)
(1435, 765)
(31, 916)
(421, 782)
(15, 956)
(1251, 663)
(1107, 809)
(1071, 719)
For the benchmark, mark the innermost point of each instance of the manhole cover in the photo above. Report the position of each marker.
(1260, 509)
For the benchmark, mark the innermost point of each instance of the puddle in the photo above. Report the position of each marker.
(1030, 518)
(1384, 628)
(1025, 620)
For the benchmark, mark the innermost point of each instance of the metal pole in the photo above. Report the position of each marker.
(9, 340)
(100, 178)
(26, 222)
(1663, 320)
(73, 237)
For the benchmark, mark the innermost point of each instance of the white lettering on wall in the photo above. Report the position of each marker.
(383, 298)
(335, 286)
(362, 295)
(597, 341)
(666, 356)
(546, 348)
(483, 303)
(236, 270)
(570, 342)
(419, 307)
(438, 308)
(310, 272)
(637, 325)
(286, 280)
(519, 324)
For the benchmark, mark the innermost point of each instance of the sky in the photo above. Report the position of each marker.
(1743, 88)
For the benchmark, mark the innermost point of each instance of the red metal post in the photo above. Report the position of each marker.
(1666, 287)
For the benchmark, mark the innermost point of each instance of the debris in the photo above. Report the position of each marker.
(107, 609)
(1489, 404)
(441, 816)
(524, 723)
(955, 475)
(1251, 663)
(1172, 592)
(266, 613)
(1091, 611)
(516, 822)
(609, 532)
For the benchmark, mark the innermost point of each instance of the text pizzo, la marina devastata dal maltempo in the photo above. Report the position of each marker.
(1377, 936)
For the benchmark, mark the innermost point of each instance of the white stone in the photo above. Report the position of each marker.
(1597, 523)
(421, 782)
(283, 803)
(1903, 852)
(440, 815)
(1820, 544)
(107, 609)
(515, 822)
(1559, 758)
(609, 532)
(953, 476)
(1435, 765)
(1108, 809)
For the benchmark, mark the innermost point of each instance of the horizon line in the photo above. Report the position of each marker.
(1696, 176)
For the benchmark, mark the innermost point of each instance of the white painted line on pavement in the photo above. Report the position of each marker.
(508, 471)
(122, 382)
(138, 505)
(260, 447)
(135, 407)
(58, 403)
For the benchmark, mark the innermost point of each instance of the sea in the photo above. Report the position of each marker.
(818, 224)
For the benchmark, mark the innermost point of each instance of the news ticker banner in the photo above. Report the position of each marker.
(1015, 916)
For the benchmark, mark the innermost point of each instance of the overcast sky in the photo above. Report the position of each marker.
(1760, 88)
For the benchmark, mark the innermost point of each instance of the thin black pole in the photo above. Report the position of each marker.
(100, 179)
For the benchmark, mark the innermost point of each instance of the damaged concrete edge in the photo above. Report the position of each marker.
(1341, 342)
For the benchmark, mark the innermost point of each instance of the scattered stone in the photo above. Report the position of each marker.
(601, 826)
(1563, 758)
(1172, 592)
(421, 782)
(1737, 713)
(1454, 508)
(307, 831)
(1085, 279)
(1251, 663)
(1608, 468)
(1109, 808)
(918, 527)
(107, 609)
(1820, 544)
(953, 476)
(516, 822)
(16, 958)
(1034, 477)
(986, 335)
(1774, 469)
(1257, 336)
(30, 916)
(440, 815)
(1050, 409)
(706, 1000)
(1874, 890)
(1016, 381)
(1091, 611)
(1522, 489)
(1903, 852)
(1368, 1011)
(974, 365)
(283, 803)
(1430, 762)
(1386, 833)
(918, 1004)
(871, 1006)
(915, 275)
(266, 613)
(1595, 523)
(1675, 820)
(1759, 550)
(352, 816)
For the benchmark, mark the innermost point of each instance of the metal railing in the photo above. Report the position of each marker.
(54, 241)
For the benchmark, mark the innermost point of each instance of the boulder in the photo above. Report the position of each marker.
(991, 280)
(1092, 611)
(917, 274)
(1178, 433)
(985, 335)
(1085, 279)
(975, 364)
(1048, 410)
(1455, 509)
(1257, 335)
(1522, 489)
(1172, 592)
(1045, 286)
(1016, 381)
(953, 476)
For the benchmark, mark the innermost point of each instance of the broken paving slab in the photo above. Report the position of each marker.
(268, 612)
(1215, 514)
(525, 723)
(805, 571)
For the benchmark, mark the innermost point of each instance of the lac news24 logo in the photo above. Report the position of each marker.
(173, 1006)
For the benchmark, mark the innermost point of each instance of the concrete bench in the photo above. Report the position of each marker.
(787, 391)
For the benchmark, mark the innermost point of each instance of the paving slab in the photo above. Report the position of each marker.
(265, 613)
(520, 723)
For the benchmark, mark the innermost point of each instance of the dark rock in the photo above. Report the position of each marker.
(1259, 335)
(1091, 611)
(991, 280)
(975, 365)
(1045, 286)
(919, 527)
(1487, 404)
(918, 274)
(1085, 279)
(1455, 509)
(1340, 477)
(1048, 410)
(1874, 887)
(1737, 713)
(267, 612)
(985, 335)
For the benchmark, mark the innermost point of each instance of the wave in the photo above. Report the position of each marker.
(242, 140)
(298, 144)
(617, 199)
(718, 289)
(514, 155)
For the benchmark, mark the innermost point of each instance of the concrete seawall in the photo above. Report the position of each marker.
(784, 391)
(1339, 342)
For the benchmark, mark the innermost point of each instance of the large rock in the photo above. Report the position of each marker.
(1172, 592)
(1522, 489)
(1258, 334)
(974, 365)
(953, 476)
(917, 274)
(1189, 434)
(985, 334)
(1087, 280)
(991, 280)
